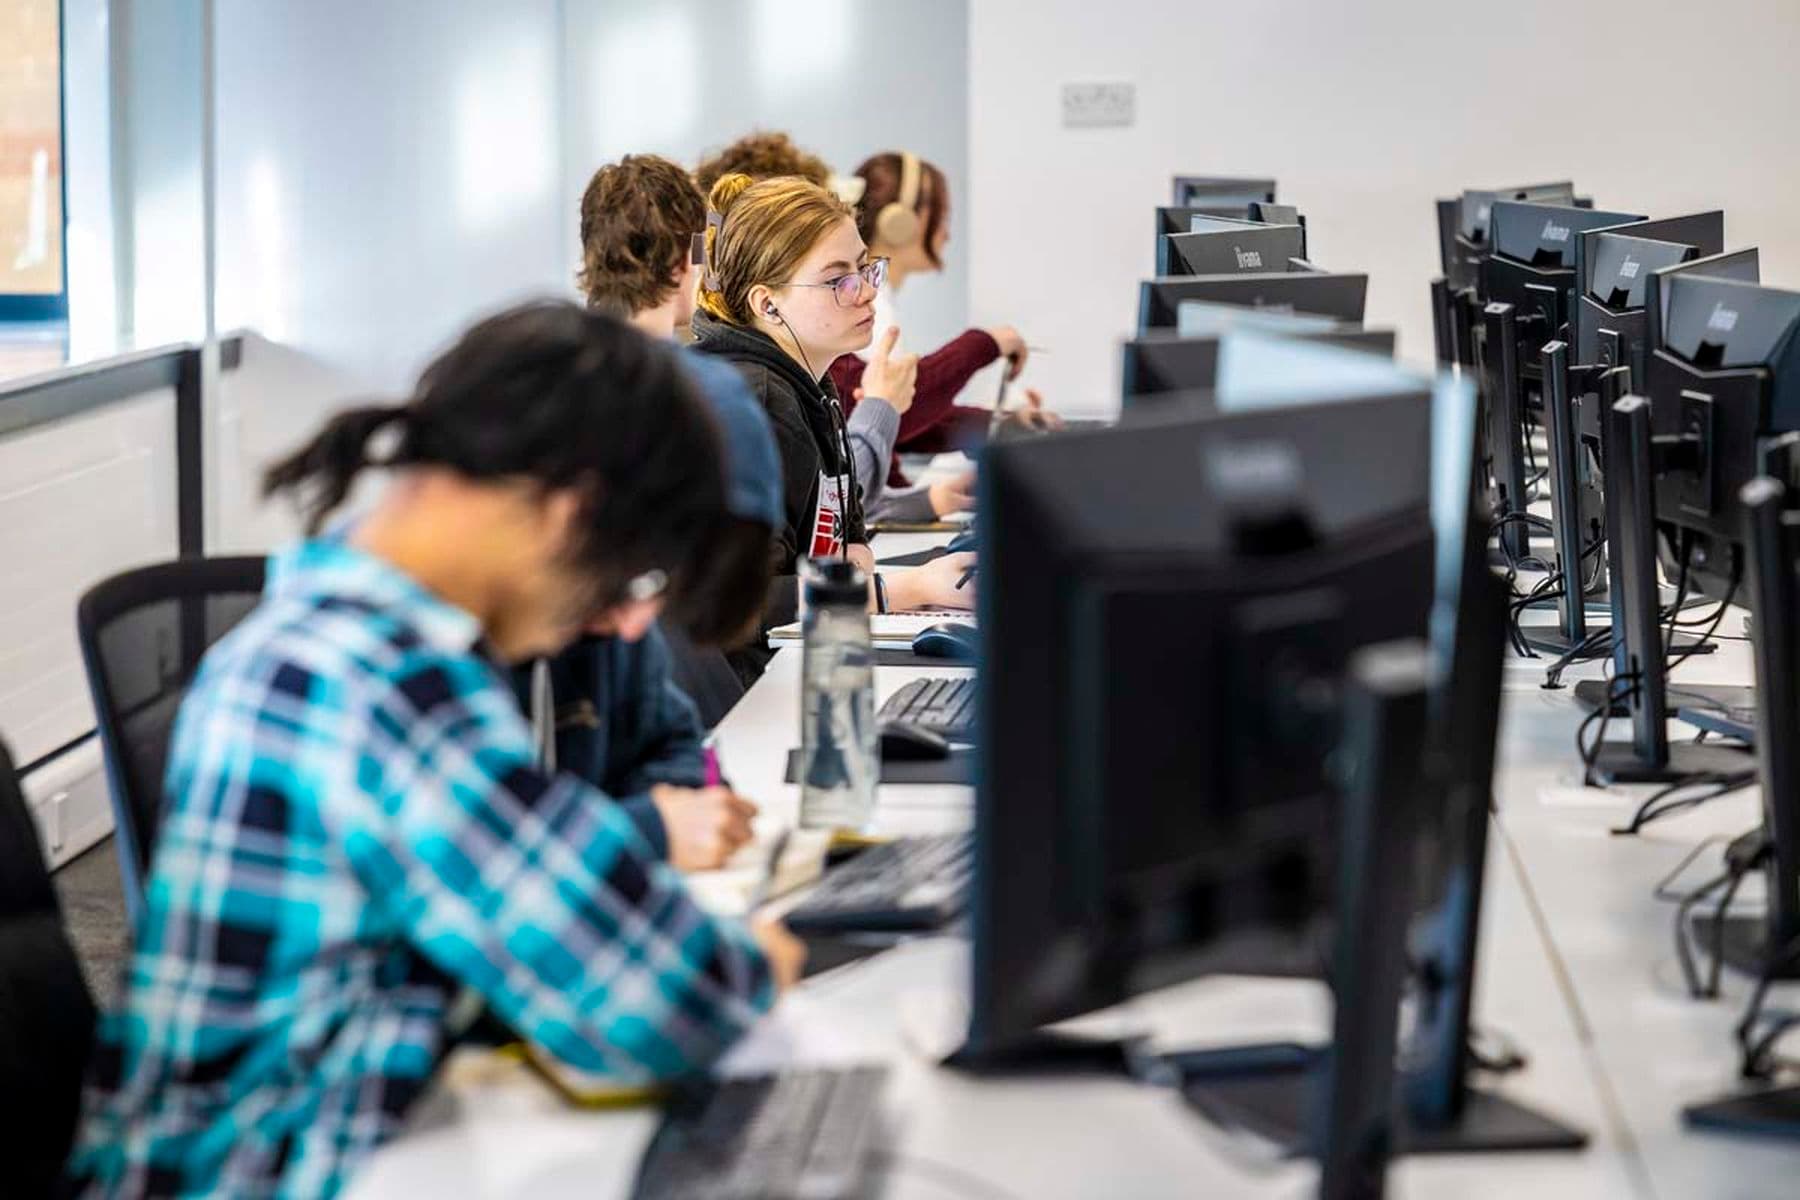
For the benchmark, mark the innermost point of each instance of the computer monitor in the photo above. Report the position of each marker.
(1531, 259)
(1613, 267)
(1725, 380)
(1199, 220)
(1745, 266)
(1722, 387)
(1182, 367)
(1182, 218)
(1526, 278)
(1123, 829)
(1167, 365)
(1214, 190)
(1117, 833)
(1463, 225)
(1276, 214)
(1224, 248)
(1319, 293)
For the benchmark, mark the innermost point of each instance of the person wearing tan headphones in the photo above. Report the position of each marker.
(904, 215)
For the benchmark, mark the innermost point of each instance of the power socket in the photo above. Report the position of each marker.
(1098, 105)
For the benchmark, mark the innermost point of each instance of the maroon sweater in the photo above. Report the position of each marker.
(934, 423)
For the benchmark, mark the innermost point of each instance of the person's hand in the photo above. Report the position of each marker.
(934, 584)
(861, 557)
(890, 375)
(1034, 415)
(705, 826)
(953, 494)
(1012, 348)
(785, 952)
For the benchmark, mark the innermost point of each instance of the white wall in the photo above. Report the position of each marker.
(1364, 112)
(847, 78)
(385, 173)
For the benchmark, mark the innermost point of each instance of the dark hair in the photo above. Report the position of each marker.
(762, 155)
(638, 221)
(563, 398)
(733, 589)
(881, 187)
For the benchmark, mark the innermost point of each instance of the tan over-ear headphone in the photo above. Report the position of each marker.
(897, 224)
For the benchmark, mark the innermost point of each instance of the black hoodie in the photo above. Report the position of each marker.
(808, 425)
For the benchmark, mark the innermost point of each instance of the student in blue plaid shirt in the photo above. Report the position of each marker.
(355, 830)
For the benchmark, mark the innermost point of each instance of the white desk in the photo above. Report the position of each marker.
(1612, 1046)
(1657, 1048)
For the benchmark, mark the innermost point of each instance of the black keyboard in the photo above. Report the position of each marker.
(801, 1135)
(908, 884)
(945, 705)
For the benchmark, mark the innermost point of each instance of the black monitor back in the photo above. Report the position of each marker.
(1726, 380)
(1320, 293)
(1162, 371)
(1531, 262)
(1223, 251)
(1742, 265)
(1477, 204)
(1155, 366)
(1218, 190)
(1123, 823)
(1196, 220)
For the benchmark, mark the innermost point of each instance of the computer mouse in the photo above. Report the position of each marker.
(911, 743)
(951, 639)
(961, 542)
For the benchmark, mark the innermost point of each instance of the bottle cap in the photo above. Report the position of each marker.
(829, 582)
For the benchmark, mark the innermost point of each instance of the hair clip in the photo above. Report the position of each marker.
(709, 240)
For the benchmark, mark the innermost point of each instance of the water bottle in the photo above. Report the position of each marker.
(840, 760)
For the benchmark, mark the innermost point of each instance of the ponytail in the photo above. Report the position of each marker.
(327, 467)
(719, 200)
(759, 232)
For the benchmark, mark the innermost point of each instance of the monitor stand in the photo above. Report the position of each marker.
(1048, 1052)
(1719, 709)
(1278, 1090)
(1269, 1091)
(1770, 1112)
(1743, 944)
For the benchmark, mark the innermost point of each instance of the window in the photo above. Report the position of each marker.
(33, 280)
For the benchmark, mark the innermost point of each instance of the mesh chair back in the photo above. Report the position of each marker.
(143, 634)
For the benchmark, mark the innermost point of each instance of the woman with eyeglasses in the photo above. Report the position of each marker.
(788, 287)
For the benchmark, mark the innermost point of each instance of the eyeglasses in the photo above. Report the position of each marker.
(846, 289)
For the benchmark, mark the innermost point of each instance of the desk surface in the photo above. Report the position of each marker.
(1576, 968)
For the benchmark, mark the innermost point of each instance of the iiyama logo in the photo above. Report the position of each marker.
(1248, 259)
(1252, 468)
(1628, 269)
(1554, 232)
(1723, 320)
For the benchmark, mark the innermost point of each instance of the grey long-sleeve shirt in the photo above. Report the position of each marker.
(872, 427)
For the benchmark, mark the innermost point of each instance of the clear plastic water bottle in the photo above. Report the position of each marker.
(840, 759)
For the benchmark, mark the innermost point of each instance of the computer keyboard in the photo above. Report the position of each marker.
(908, 884)
(800, 1135)
(944, 705)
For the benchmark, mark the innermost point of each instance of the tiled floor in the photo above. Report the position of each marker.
(94, 912)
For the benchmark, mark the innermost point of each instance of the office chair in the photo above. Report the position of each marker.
(45, 1009)
(142, 636)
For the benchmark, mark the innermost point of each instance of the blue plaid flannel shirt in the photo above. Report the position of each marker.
(354, 832)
